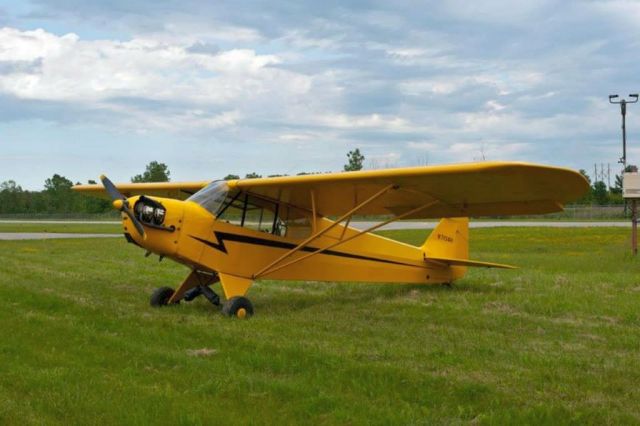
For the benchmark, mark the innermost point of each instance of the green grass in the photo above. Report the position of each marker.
(71, 227)
(556, 342)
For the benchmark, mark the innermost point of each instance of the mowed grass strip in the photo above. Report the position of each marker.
(555, 342)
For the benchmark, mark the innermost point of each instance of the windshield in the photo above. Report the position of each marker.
(211, 196)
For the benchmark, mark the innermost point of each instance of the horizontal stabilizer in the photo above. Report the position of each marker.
(462, 262)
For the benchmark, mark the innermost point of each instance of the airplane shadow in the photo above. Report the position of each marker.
(300, 296)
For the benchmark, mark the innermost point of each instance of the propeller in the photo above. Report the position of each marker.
(121, 203)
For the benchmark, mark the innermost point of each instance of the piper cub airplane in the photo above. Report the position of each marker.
(239, 231)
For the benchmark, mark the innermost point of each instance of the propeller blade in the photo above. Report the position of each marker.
(122, 204)
(136, 222)
(111, 189)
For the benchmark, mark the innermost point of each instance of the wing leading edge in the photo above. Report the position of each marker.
(177, 190)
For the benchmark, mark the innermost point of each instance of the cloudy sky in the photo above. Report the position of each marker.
(218, 87)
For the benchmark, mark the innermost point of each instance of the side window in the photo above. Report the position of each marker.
(298, 228)
(259, 217)
(251, 212)
(293, 223)
(231, 210)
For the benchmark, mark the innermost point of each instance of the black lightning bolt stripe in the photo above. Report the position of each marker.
(225, 236)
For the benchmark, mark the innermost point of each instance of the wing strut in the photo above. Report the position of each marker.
(272, 268)
(327, 229)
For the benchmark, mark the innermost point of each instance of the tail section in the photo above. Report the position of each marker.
(449, 240)
(448, 245)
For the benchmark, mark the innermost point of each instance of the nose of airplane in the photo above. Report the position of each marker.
(151, 222)
(161, 219)
(122, 204)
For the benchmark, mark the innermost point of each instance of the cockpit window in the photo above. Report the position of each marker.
(212, 196)
(252, 212)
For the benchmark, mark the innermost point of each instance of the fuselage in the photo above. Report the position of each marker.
(191, 235)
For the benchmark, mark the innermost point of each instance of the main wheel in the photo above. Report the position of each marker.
(237, 306)
(161, 296)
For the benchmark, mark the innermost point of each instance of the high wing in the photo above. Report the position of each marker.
(177, 190)
(461, 190)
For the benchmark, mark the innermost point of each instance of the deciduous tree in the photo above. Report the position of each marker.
(155, 172)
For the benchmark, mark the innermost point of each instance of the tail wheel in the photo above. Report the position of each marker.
(161, 296)
(237, 306)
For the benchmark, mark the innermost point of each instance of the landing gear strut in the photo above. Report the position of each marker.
(198, 283)
(203, 290)
(237, 306)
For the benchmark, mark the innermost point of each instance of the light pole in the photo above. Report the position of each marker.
(623, 111)
(634, 211)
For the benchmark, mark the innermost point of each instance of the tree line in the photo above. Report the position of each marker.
(600, 194)
(58, 198)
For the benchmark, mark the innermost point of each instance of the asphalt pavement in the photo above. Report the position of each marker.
(358, 225)
(50, 235)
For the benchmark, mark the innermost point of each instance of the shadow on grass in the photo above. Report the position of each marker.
(300, 296)
(277, 297)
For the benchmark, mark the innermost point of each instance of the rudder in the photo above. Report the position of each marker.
(449, 239)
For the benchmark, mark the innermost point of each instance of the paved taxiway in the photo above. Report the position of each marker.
(358, 225)
(50, 235)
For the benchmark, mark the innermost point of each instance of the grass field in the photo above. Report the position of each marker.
(556, 342)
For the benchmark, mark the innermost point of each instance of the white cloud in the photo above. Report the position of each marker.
(187, 119)
(371, 121)
(494, 105)
(439, 86)
(520, 80)
(93, 73)
(503, 82)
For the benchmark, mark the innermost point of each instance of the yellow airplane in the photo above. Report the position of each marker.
(297, 227)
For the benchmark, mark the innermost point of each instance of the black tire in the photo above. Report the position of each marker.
(237, 306)
(161, 296)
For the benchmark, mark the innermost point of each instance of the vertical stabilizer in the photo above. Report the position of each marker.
(450, 240)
